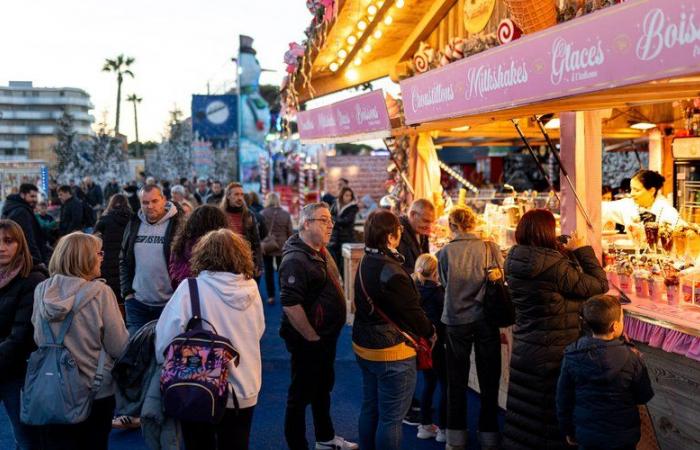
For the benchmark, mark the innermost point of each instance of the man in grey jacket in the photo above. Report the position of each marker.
(143, 262)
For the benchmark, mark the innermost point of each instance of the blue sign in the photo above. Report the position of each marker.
(44, 180)
(215, 117)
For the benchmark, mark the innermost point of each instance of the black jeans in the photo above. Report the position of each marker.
(431, 379)
(233, 432)
(313, 377)
(270, 273)
(92, 434)
(487, 345)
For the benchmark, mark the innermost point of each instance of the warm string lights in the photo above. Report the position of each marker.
(369, 21)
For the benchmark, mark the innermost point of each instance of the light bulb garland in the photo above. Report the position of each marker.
(451, 172)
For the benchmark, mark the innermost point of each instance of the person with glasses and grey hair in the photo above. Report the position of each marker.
(313, 315)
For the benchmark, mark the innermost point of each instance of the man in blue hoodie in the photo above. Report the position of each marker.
(603, 380)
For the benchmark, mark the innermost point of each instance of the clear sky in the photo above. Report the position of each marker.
(179, 46)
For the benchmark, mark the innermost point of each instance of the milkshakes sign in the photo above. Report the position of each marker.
(361, 117)
(630, 43)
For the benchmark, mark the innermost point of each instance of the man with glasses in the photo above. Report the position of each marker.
(417, 227)
(313, 315)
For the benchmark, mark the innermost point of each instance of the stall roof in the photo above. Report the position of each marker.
(626, 55)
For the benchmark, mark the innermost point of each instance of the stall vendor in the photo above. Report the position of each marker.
(644, 204)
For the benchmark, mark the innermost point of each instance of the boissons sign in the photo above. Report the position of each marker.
(625, 44)
(357, 116)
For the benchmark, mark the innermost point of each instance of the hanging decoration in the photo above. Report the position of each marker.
(424, 59)
(571, 9)
(453, 51)
(508, 31)
(477, 14)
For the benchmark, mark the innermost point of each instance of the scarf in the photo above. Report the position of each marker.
(6, 276)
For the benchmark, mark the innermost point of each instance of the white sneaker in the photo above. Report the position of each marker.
(338, 443)
(427, 431)
(440, 436)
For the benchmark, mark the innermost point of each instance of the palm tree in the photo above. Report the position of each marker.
(133, 98)
(120, 66)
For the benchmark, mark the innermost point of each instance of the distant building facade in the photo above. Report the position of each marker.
(29, 115)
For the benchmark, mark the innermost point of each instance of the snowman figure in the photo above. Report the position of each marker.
(254, 108)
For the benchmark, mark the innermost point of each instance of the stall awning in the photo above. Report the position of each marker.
(604, 59)
(356, 119)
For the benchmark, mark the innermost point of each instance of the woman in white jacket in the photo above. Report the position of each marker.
(230, 301)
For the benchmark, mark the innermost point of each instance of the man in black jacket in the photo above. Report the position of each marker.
(20, 208)
(93, 193)
(143, 261)
(71, 211)
(314, 313)
(417, 227)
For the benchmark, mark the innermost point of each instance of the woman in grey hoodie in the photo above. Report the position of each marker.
(463, 266)
(97, 325)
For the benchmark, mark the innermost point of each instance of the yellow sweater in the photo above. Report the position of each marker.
(396, 353)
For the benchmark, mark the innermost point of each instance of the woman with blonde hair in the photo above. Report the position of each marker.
(230, 302)
(96, 332)
(18, 278)
(432, 295)
(464, 263)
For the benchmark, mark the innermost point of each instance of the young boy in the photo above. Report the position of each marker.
(603, 379)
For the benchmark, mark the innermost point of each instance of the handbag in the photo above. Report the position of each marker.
(422, 346)
(269, 244)
(498, 306)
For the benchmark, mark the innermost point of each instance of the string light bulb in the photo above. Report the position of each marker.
(372, 10)
(357, 61)
(342, 54)
(352, 40)
(388, 20)
(362, 25)
(367, 48)
(377, 34)
(399, 4)
(333, 66)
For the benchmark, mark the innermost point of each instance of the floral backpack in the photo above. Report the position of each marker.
(194, 380)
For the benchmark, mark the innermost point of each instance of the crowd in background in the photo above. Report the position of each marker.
(173, 253)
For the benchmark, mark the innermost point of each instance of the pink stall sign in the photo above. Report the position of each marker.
(625, 44)
(357, 118)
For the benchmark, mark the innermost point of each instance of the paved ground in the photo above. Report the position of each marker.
(267, 432)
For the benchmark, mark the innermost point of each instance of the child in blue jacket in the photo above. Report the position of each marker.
(603, 380)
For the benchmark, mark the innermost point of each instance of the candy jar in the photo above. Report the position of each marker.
(641, 282)
(672, 289)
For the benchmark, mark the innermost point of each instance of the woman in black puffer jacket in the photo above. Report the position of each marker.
(548, 285)
(387, 362)
(111, 228)
(18, 278)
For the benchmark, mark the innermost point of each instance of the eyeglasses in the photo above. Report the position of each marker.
(101, 253)
(326, 221)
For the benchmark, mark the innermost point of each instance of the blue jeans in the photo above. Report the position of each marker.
(10, 398)
(139, 314)
(387, 393)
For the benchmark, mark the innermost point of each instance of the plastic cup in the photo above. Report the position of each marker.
(641, 286)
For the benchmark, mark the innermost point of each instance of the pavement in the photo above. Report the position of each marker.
(268, 423)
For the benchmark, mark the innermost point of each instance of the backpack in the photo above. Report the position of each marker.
(88, 215)
(54, 392)
(194, 379)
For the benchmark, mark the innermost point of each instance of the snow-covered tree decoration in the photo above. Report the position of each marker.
(101, 156)
(173, 157)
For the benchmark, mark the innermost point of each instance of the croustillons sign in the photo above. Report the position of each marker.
(625, 44)
(360, 116)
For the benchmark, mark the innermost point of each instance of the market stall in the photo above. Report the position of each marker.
(470, 71)
(633, 53)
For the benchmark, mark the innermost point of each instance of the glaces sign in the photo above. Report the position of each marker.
(358, 116)
(629, 43)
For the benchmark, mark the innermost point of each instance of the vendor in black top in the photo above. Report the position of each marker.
(417, 227)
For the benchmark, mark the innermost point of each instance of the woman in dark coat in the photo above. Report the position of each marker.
(343, 211)
(548, 284)
(18, 278)
(278, 223)
(110, 227)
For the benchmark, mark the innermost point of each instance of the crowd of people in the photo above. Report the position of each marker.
(116, 287)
